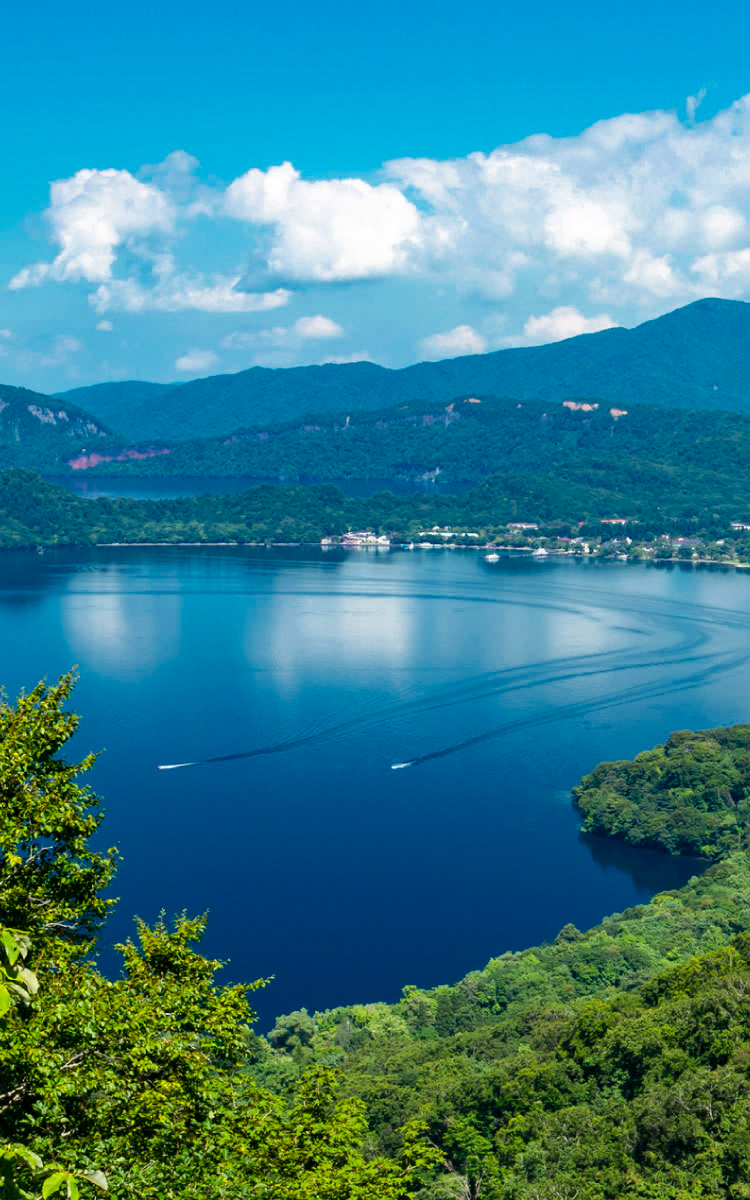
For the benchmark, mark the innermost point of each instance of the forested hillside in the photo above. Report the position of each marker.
(39, 432)
(695, 357)
(606, 1064)
(466, 440)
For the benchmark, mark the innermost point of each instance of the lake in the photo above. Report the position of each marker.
(501, 683)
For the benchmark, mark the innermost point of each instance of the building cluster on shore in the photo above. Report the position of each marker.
(526, 536)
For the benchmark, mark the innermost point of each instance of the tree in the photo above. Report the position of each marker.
(51, 881)
(146, 1077)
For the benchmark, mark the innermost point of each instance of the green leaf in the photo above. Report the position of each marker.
(30, 980)
(11, 945)
(96, 1177)
(53, 1183)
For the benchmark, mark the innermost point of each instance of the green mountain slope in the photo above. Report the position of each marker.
(40, 432)
(463, 441)
(114, 402)
(695, 357)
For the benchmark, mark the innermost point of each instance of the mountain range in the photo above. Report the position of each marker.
(456, 436)
(695, 357)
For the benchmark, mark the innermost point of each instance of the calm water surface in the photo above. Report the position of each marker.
(503, 683)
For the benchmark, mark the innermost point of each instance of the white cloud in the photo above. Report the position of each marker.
(317, 328)
(728, 273)
(91, 215)
(303, 330)
(563, 322)
(327, 229)
(195, 361)
(693, 103)
(461, 340)
(620, 210)
(633, 215)
(104, 326)
(177, 293)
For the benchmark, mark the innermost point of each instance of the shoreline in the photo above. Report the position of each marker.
(695, 562)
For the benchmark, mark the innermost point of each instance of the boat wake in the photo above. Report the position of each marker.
(693, 641)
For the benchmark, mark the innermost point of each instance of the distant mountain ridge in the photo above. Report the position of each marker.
(695, 357)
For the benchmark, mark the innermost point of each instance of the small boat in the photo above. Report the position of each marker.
(492, 557)
(540, 552)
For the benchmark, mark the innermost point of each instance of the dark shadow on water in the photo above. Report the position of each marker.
(650, 870)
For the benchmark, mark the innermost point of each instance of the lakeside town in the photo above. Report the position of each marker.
(538, 541)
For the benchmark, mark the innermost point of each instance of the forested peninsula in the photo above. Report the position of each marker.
(651, 513)
(605, 1064)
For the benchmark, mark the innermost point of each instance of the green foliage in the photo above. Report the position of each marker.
(51, 881)
(20, 1167)
(39, 432)
(689, 796)
(472, 438)
(17, 982)
(37, 514)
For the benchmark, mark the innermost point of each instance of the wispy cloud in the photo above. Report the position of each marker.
(196, 361)
(461, 340)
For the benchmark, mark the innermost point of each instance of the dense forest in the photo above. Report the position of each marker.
(39, 432)
(689, 796)
(466, 440)
(608, 1063)
(695, 357)
(574, 500)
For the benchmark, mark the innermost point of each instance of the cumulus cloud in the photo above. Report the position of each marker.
(461, 340)
(317, 328)
(563, 322)
(328, 229)
(728, 272)
(631, 216)
(194, 361)
(104, 326)
(91, 215)
(621, 210)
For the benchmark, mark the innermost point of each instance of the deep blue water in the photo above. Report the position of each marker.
(169, 487)
(319, 864)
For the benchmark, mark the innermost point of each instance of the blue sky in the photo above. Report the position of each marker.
(460, 178)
